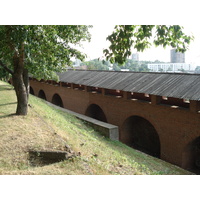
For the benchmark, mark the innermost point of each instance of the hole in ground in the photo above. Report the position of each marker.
(42, 158)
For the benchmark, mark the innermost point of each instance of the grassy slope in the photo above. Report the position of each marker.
(36, 131)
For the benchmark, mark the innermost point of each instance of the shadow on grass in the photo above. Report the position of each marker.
(6, 87)
(9, 115)
(8, 104)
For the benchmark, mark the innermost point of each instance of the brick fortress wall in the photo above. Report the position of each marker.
(176, 123)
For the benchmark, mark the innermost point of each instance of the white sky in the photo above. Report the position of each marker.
(94, 49)
(105, 14)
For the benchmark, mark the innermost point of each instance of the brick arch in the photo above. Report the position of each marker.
(140, 134)
(96, 112)
(56, 99)
(31, 90)
(191, 156)
(42, 95)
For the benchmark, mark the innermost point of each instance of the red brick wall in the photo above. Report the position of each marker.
(176, 127)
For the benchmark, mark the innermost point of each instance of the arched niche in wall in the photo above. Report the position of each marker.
(31, 91)
(95, 111)
(57, 100)
(140, 134)
(42, 95)
(191, 156)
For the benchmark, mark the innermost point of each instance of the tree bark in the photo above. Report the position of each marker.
(26, 81)
(20, 82)
(21, 93)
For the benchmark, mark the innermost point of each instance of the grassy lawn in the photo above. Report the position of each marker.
(46, 128)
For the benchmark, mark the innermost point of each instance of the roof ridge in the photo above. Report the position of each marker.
(172, 73)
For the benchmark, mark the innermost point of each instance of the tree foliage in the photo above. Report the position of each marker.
(96, 65)
(4, 75)
(39, 50)
(132, 65)
(45, 48)
(140, 37)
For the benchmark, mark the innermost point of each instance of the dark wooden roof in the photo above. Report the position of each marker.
(178, 85)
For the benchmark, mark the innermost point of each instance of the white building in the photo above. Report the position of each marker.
(77, 63)
(177, 57)
(135, 56)
(169, 67)
(125, 70)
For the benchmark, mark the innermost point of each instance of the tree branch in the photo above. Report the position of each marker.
(6, 68)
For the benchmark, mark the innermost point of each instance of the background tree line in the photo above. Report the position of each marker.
(4, 75)
(131, 65)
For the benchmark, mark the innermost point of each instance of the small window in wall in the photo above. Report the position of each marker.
(68, 85)
(114, 93)
(186, 100)
(140, 96)
(164, 98)
(119, 95)
(95, 90)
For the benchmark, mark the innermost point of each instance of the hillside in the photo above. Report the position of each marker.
(47, 128)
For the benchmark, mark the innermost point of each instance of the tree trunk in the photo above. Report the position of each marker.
(26, 81)
(21, 93)
(21, 85)
(20, 82)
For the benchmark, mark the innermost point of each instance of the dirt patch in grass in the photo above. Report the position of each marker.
(18, 136)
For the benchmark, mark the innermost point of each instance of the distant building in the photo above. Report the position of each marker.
(135, 56)
(84, 67)
(77, 63)
(177, 57)
(125, 70)
(169, 67)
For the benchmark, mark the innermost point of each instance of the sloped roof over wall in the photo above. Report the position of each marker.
(183, 86)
